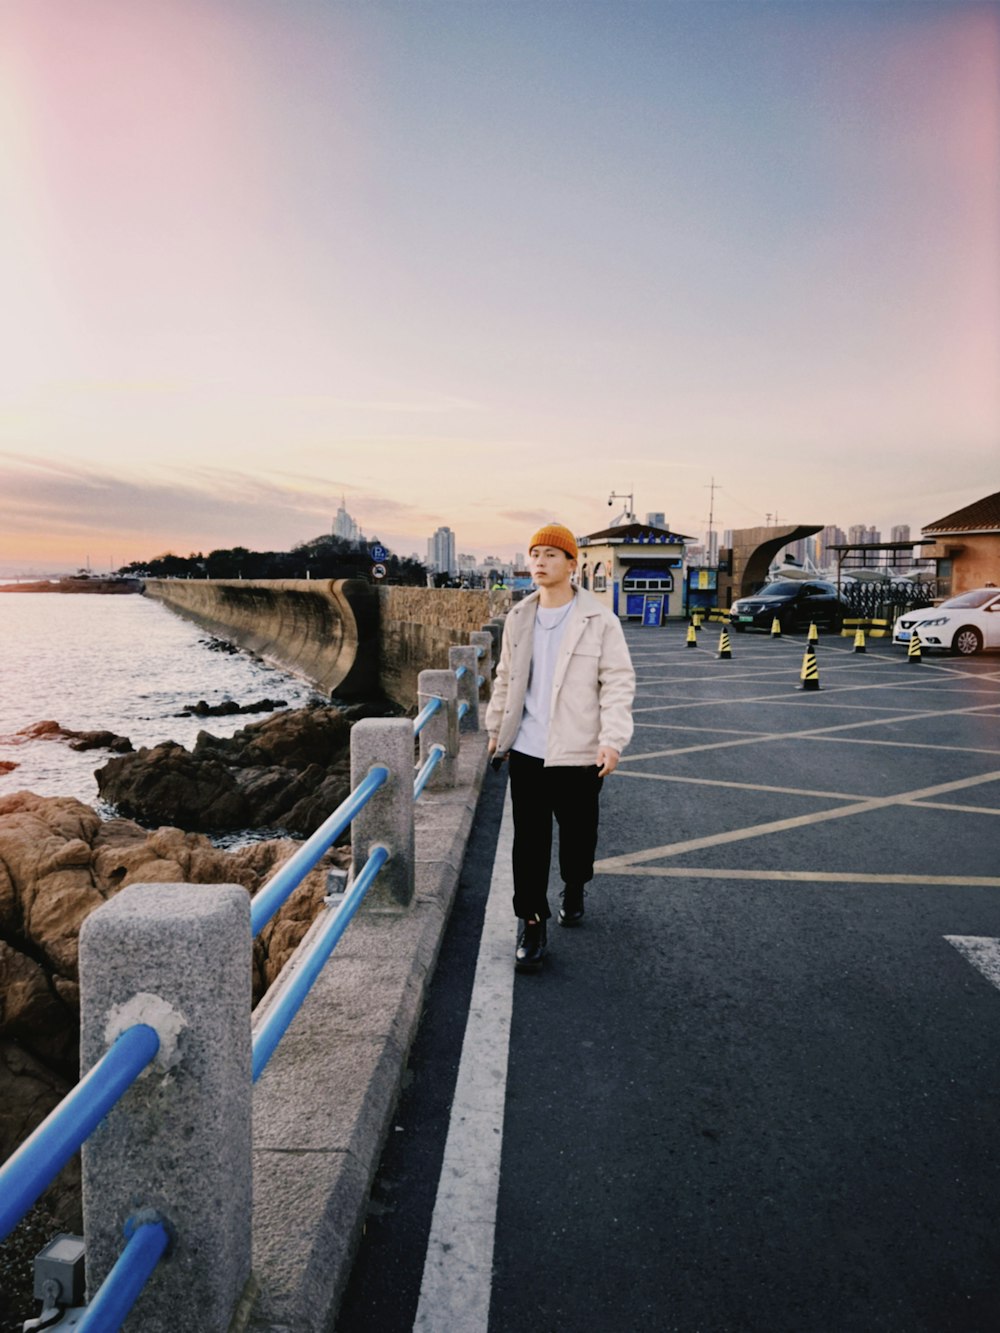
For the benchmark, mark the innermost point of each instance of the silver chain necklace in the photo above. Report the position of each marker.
(555, 624)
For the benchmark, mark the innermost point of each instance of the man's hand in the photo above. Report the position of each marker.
(607, 761)
(492, 746)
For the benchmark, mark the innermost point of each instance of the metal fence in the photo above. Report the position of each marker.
(886, 601)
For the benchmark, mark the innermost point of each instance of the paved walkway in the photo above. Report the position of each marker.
(758, 1090)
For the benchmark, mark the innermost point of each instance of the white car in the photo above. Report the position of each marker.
(964, 625)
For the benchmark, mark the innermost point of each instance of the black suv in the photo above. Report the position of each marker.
(795, 605)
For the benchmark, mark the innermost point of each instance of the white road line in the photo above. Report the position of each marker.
(982, 952)
(457, 1281)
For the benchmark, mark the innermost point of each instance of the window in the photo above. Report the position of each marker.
(600, 577)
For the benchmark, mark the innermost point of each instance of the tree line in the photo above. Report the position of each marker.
(321, 558)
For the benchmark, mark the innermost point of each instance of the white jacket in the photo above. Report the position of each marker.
(592, 688)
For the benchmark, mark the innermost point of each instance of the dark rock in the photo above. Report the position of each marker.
(79, 740)
(288, 771)
(169, 785)
(229, 706)
(6, 766)
(100, 740)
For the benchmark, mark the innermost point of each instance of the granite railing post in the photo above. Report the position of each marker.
(494, 628)
(464, 655)
(481, 638)
(178, 1143)
(442, 729)
(388, 816)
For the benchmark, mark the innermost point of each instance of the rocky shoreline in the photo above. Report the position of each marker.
(59, 860)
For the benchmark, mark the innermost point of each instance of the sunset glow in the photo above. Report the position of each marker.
(480, 265)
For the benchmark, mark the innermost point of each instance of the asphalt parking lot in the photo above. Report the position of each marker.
(758, 1088)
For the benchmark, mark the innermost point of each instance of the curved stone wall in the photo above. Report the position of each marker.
(325, 630)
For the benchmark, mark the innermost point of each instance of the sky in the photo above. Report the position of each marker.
(482, 263)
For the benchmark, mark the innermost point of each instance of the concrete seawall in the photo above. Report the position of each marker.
(345, 636)
(325, 630)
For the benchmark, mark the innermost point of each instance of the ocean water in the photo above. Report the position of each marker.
(121, 663)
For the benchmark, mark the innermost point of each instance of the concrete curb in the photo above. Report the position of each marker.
(324, 1104)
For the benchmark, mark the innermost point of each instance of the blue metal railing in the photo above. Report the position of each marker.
(288, 1004)
(287, 879)
(41, 1157)
(123, 1285)
(426, 713)
(434, 757)
(25, 1176)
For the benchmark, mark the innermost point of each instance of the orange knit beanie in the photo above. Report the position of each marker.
(554, 534)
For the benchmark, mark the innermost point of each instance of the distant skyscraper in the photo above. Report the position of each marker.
(441, 552)
(857, 533)
(656, 520)
(900, 533)
(344, 526)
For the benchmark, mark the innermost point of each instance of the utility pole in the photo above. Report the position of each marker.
(711, 516)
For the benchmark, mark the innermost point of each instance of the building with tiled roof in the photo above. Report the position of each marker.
(967, 546)
(636, 570)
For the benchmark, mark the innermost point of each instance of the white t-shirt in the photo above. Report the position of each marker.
(533, 733)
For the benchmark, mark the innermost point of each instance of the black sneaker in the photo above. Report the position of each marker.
(531, 944)
(571, 912)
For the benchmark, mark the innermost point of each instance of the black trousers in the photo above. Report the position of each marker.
(538, 795)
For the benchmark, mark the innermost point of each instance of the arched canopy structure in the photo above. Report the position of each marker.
(755, 548)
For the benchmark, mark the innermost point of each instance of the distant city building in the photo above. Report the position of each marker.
(441, 552)
(657, 520)
(900, 533)
(344, 526)
(857, 533)
(830, 536)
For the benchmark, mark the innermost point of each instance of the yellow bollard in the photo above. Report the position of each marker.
(813, 632)
(692, 638)
(859, 641)
(810, 671)
(725, 651)
(775, 628)
(913, 652)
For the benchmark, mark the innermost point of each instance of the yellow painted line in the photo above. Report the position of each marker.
(625, 862)
(813, 733)
(743, 786)
(815, 876)
(965, 809)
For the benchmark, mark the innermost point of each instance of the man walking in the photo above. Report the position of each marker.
(561, 710)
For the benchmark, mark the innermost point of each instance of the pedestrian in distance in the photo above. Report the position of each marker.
(561, 712)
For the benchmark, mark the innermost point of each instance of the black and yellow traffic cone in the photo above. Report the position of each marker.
(692, 638)
(696, 621)
(810, 670)
(813, 632)
(775, 628)
(913, 652)
(859, 640)
(724, 649)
